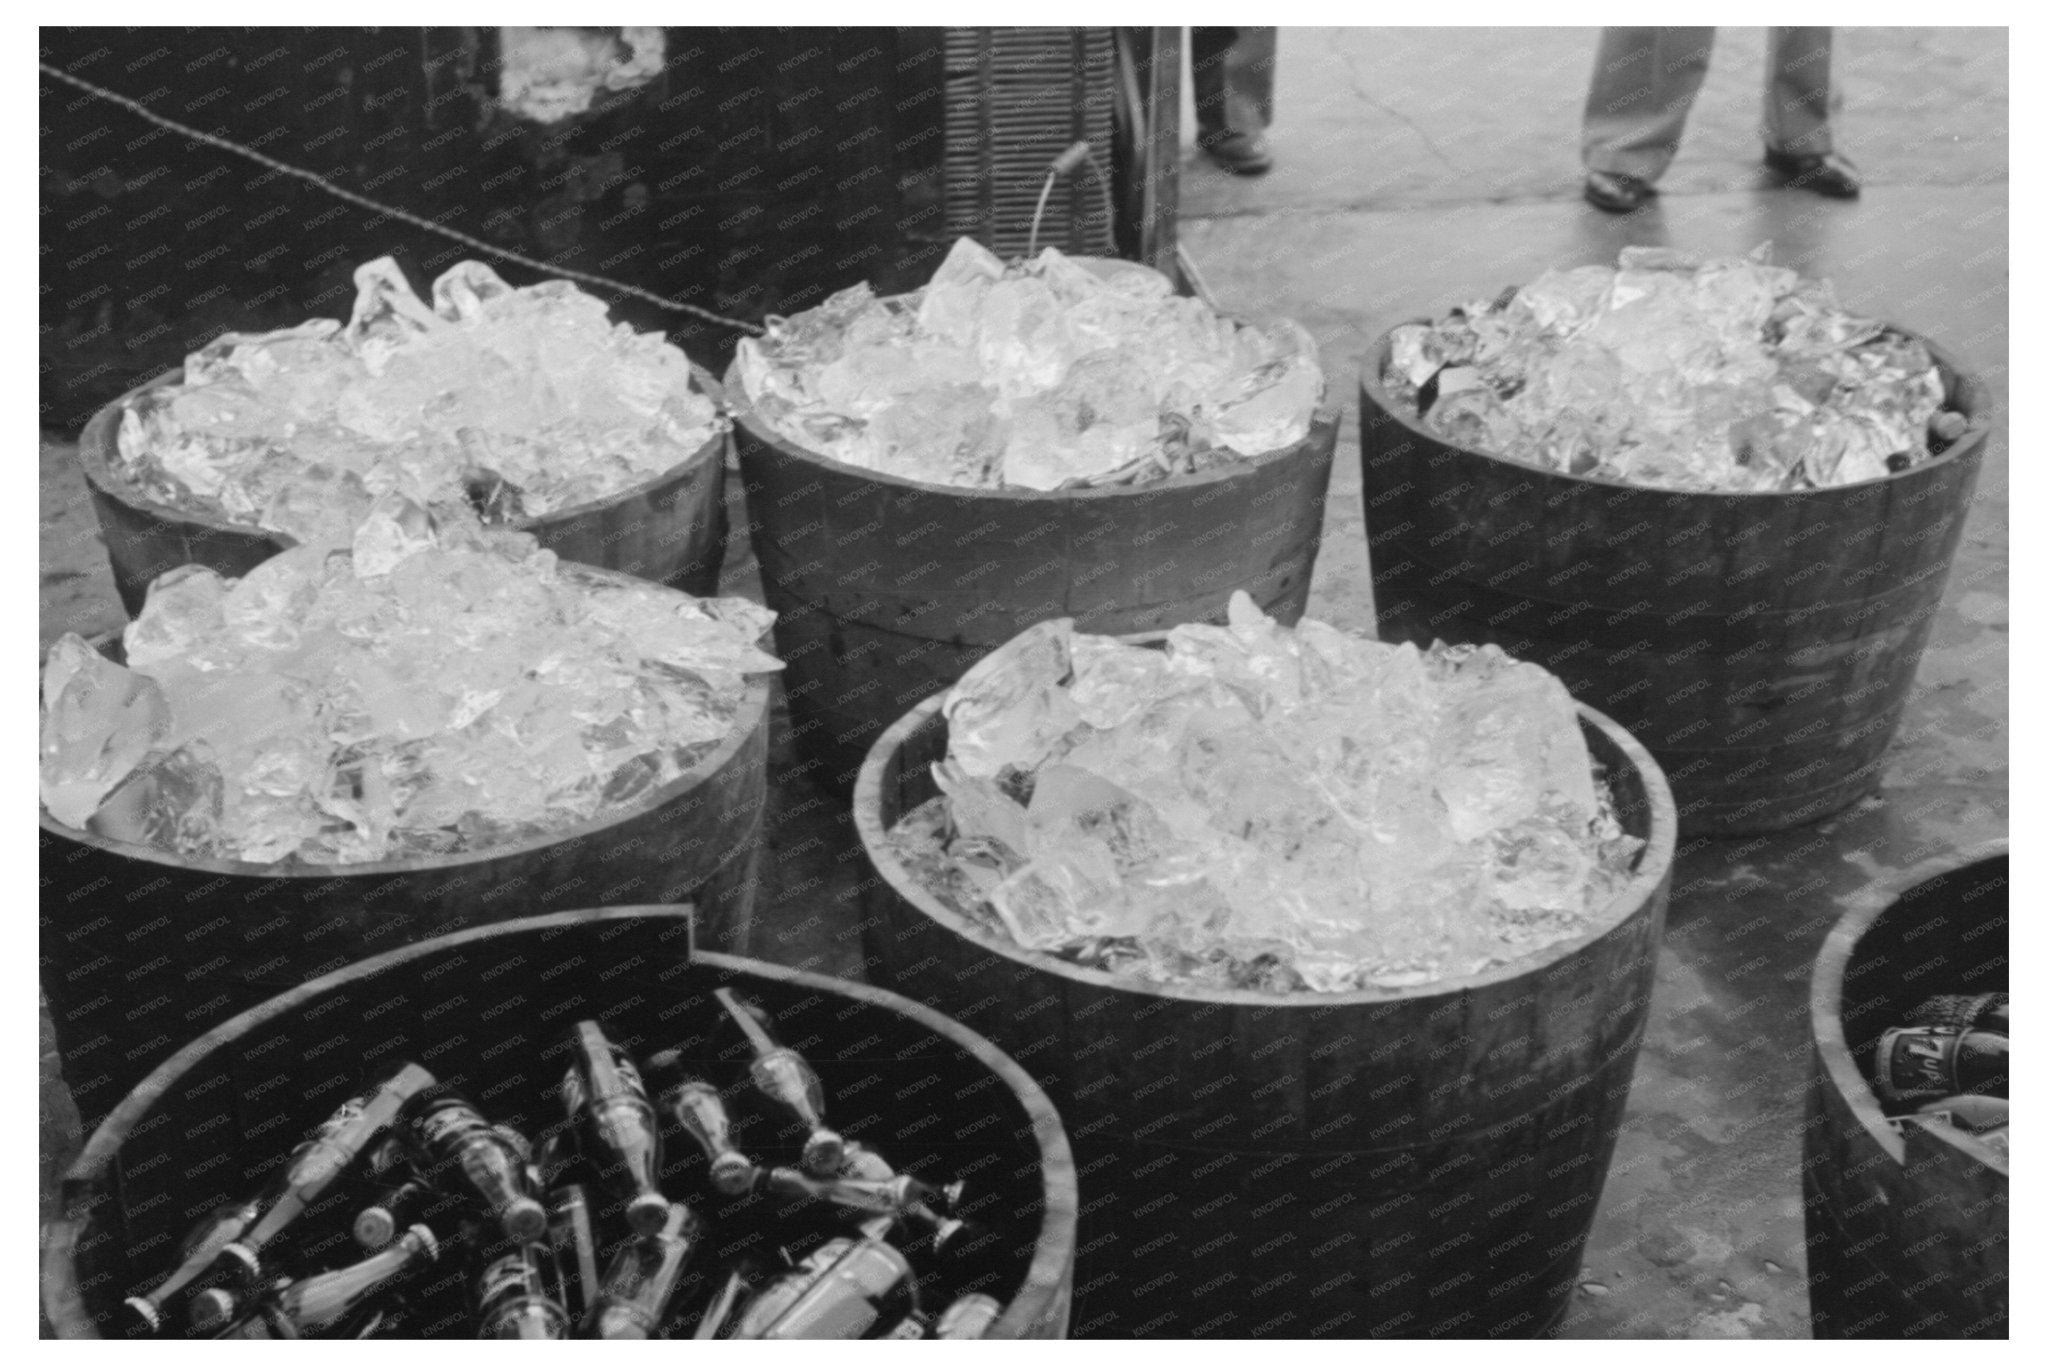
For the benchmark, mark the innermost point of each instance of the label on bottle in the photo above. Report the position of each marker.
(509, 1278)
(441, 1127)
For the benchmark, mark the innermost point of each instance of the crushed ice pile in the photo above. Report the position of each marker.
(1038, 375)
(1269, 808)
(1724, 375)
(437, 688)
(517, 402)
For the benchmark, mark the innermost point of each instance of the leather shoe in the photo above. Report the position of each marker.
(1239, 153)
(1617, 193)
(1826, 173)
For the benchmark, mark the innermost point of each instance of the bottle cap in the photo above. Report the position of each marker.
(146, 1312)
(374, 1228)
(731, 1174)
(212, 1309)
(824, 1153)
(525, 1219)
(647, 1212)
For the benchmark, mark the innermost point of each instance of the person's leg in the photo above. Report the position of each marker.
(1233, 81)
(1644, 83)
(1798, 142)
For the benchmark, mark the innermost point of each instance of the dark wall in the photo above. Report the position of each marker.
(761, 170)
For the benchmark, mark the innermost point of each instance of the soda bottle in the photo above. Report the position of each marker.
(700, 1112)
(208, 1252)
(1930, 1061)
(837, 1292)
(970, 1316)
(783, 1076)
(574, 1241)
(607, 1102)
(309, 1171)
(643, 1277)
(456, 1148)
(342, 1303)
(515, 1301)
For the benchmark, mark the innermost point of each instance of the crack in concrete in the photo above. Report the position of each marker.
(1358, 88)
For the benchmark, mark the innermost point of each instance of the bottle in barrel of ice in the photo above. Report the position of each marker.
(699, 1111)
(782, 1075)
(615, 1124)
(840, 1291)
(346, 1303)
(456, 1148)
(643, 1279)
(517, 1295)
(221, 1260)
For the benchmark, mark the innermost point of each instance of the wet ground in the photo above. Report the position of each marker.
(1418, 168)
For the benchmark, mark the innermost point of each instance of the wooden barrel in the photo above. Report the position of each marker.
(484, 1010)
(670, 529)
(888, 590)
(141, 949)
(1400, 1162)
(1761, 645)
(1905, 1222)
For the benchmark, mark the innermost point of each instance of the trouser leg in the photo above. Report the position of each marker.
(1796, 90)
(1644, 83)
(1233, 79)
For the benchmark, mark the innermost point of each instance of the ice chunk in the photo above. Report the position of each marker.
(99, 720)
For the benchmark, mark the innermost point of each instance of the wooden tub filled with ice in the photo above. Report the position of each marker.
(606, 446)
(360, 745)
(1718, 506)
(929, 474)
(1336, 956)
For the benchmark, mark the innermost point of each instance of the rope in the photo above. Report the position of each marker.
(388, 210)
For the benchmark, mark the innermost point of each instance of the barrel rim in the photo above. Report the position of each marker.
(1652, 871)
(1824, 997)
(753, 706)
(1964, 391)
(1325, 416)
(97, 441)
(1052, 1255)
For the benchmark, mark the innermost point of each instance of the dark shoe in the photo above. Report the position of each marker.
(1239, 153)
(1828, 173)
(1617, 193)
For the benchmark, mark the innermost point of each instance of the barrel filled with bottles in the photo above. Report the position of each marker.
(568, 1126)
(1719, 507)
(1907, 1162)
(607, 446)
(929, 474)
(1309, 1094)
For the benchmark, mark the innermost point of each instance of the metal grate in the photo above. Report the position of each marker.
(1015, 99)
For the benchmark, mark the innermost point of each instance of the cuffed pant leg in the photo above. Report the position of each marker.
(1644, 83)
(1796, 90)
